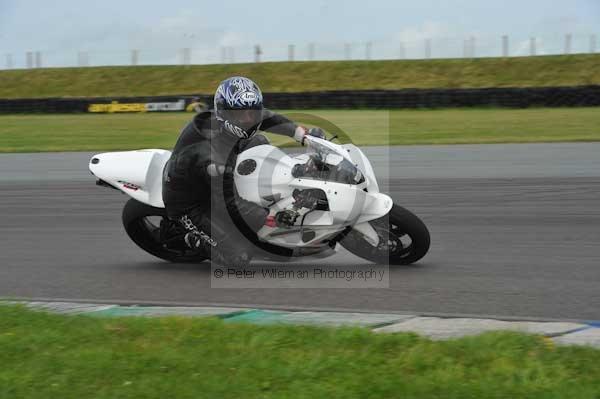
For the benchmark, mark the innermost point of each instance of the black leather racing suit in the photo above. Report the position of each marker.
(198, 188)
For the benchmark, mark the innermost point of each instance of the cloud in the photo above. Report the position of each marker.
(232, 38)
(562, 25)
(426, 30)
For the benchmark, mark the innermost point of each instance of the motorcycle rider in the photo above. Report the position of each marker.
(197, 181)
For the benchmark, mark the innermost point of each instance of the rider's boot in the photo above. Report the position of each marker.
(218, 245)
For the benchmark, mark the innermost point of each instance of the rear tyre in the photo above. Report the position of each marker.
(403, 239)
(143, 225)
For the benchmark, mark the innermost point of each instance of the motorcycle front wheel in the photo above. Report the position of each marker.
(403, 239)
(143, 225)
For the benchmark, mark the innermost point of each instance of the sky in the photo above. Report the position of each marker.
(109, 29)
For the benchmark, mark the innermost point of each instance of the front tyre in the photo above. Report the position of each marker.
(403, 239)
(143, 225)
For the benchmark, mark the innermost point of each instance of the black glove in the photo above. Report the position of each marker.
(286, 218)
(316, 132)
(301, 133)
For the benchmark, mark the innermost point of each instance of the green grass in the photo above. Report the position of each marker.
(84, 132)
(570, 70)
(55, 356)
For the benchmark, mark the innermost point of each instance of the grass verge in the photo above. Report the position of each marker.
(55, 356)
(568, 70)
(84, 132)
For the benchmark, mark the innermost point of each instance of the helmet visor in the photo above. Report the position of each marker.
(247, 119)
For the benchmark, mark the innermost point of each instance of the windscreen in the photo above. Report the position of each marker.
(326, 162)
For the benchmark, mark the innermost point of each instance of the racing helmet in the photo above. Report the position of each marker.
(238, 105)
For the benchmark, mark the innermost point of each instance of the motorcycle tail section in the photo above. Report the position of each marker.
(136, 173)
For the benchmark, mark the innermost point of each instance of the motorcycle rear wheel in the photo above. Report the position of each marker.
(403, 239)
(142, 224)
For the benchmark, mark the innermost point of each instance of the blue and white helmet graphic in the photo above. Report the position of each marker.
(239, 106)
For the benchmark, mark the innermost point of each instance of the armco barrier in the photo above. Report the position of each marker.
(95, 104)
(577, 96)
(440, 98)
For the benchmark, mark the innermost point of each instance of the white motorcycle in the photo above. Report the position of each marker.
(331, 191)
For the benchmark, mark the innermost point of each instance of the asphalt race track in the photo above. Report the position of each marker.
(515, 232)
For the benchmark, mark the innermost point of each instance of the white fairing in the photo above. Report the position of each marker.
(272, 174)
(272, 180)
(136, 173)
(364, 165)
(266, 179)
(270, 183)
